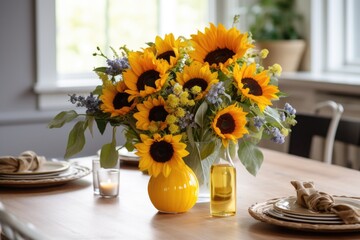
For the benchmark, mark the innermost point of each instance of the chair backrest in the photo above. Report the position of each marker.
(310, 125)
(14, 229)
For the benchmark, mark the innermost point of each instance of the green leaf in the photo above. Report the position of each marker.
(200, 114)
(250, 156)
(272, 116)
(131, 137)
(100, 69)
(62, 118)
(90, 123)
(101, 124)
(98, 90)
(109, 156)
(76, 140)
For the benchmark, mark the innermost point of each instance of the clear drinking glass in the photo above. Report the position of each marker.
(109, 179)
(95, 168)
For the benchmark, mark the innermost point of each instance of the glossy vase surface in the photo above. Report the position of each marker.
(176, 193)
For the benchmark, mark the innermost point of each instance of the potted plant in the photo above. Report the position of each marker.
(273, 27)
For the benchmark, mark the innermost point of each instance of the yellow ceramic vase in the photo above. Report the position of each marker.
(176, 193)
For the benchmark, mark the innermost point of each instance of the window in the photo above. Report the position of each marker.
(68, 32)
(334, 36)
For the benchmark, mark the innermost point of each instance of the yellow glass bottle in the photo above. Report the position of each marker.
(223, 187)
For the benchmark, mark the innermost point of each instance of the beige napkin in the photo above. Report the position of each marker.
(27, 161)
(312, 199)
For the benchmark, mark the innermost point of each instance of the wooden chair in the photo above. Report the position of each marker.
(310, 125)
(14, 229)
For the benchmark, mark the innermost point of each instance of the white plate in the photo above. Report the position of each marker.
(68, 172)
(259, 212)
(289, 205)
(46, 168)
(79, 172)
(279, 215)
(124, 154)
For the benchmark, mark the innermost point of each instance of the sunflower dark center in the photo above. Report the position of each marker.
(255, 88)
(196, 82)
(166, 55)
(220, 55)
(161, 151)
(226, 123)
(121, 100)
(158, 113)
(147, 78)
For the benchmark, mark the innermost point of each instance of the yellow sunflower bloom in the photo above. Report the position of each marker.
(146, 75)
(197, 75)
(161, 154)
(255, 86)
(168, 48)
(151, 111)
(219, 47)
(229, 124)
(115, 99)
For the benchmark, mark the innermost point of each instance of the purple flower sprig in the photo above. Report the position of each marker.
(117, 66)
(91, 102)
(214, 93)
(276, 134)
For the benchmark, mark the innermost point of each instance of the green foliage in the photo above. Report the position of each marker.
(250, 156)
(131, 137)
(109, 154)
(274, 20)
(76, 140)
(62, 118)
(101, 124)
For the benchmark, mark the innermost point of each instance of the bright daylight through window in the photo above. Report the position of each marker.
(82, 25)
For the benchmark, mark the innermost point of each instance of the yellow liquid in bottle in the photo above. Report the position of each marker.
(223, 190)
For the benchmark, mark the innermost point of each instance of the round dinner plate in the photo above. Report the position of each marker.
(71, 170)
(259, 211)
(79, 172)
(274, 213)
(46, 168)
(289, 205)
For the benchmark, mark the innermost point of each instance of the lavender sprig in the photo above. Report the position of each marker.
(91, 102)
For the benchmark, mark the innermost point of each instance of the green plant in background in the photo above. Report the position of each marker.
(274, 20)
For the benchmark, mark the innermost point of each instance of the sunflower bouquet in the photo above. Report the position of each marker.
(177, 92)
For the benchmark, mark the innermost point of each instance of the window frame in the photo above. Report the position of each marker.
(332, 39)
(50, 88)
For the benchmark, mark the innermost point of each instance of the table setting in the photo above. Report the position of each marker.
(30, 170)
(310, 210)
(192, 116)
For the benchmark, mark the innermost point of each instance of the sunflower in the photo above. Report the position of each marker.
(199, 75)
(255, 86)
(168, 48)
(219, 47)
(161, 154)
(147, 74)
(229, 124)
(151, 110)
(115, 99)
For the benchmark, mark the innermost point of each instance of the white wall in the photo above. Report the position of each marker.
(22, 126)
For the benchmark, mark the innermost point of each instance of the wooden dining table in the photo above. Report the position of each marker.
(72, 211)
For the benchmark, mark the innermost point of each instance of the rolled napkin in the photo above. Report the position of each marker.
(27, 161)
(312, 199)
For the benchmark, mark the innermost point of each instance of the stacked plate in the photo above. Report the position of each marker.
(50, 173)
(288, 209)
(286, 212)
